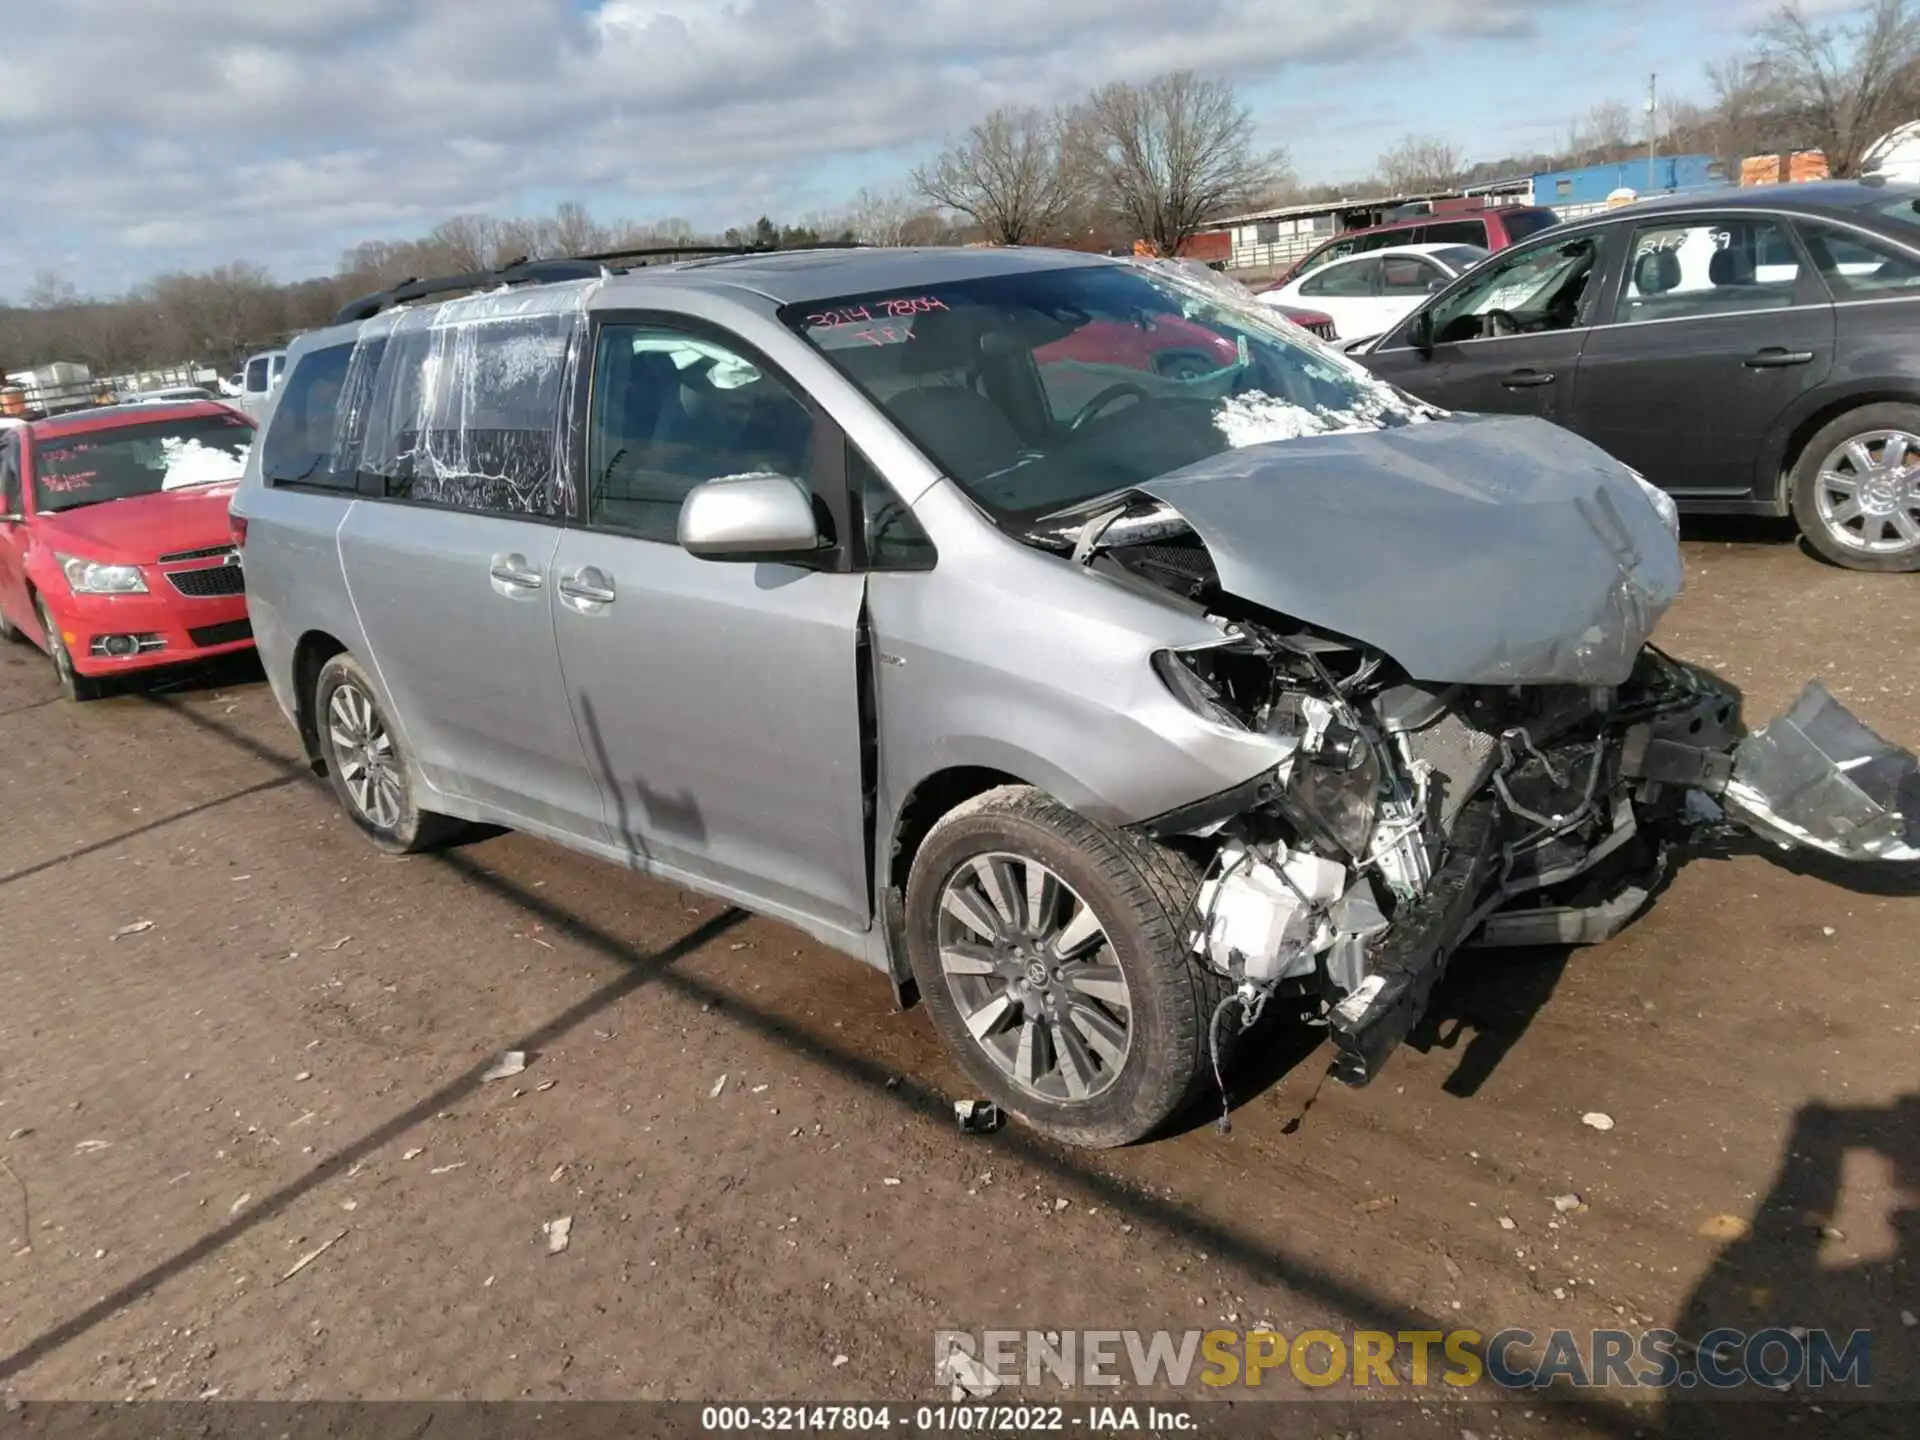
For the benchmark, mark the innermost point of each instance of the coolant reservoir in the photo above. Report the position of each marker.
(1266, 921)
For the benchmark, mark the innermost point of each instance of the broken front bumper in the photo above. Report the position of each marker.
(1815, 776)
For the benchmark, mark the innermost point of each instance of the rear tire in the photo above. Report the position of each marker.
(1052, 955)
(367, 765)
(1830, 485)
(75, 686)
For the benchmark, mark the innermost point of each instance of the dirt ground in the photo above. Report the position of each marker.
(287, 1054)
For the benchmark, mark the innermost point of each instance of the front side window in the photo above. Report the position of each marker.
(1355, 278)
(894, 539)
(1860, 267)
(1519, 292)
(970, 371)
(672, 409)
(1708, 267)
(467, 410)
(97, 466)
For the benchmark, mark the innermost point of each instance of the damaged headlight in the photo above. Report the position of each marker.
(1662, 502)
(1334, 787)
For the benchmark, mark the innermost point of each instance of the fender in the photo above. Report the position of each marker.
(1771, 479)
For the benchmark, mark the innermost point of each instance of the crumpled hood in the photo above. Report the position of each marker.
(1471, 550)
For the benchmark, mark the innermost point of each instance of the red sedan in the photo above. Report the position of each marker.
(115, 551)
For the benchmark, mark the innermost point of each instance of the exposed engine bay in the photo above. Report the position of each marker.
(1409, 819)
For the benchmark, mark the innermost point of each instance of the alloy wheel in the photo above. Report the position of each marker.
(1867, 493)
(364, 751)
(1034, 977)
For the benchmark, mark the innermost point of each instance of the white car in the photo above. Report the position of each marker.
(1369, 293)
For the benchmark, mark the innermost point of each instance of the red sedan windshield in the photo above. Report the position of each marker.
(128, 460)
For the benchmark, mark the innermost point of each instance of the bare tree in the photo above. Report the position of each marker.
(1419, 163)
(1010, 174)
(881, 217)
(1606, 132)
(1850, 83)
(1175, 153)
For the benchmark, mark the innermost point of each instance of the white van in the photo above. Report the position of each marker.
(258, 378)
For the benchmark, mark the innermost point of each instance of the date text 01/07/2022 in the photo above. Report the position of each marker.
(952, 1419)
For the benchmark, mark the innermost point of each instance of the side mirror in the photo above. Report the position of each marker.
(1420, 331)
(748, 517)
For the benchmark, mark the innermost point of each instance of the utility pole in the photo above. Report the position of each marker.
(1653, 127)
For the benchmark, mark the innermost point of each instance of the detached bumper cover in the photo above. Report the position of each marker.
(1817, 776)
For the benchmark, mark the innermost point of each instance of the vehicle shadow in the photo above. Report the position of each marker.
(1740, 530)
(1183, 1221)
(1483, 1005)
(1888, 878)
(1773, 1275)
(663, 814)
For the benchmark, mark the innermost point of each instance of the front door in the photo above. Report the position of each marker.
(1508, 340)
(1717, 329)
(718, 701)
(449, 559)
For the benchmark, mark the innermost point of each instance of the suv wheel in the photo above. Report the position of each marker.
(1050, 951)
(73, 684)
(1856, 489)
(367, 766)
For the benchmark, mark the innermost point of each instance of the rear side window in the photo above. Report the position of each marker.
(1354, 278)
(1456, 232)
(467, 410)
(1857, 266)
(307, 442)
(1519, 224)
(257, 375)
(9, 475)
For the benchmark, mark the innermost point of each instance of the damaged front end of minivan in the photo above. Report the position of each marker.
(1513, 772)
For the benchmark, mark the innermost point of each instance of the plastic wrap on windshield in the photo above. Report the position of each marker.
(465, 403)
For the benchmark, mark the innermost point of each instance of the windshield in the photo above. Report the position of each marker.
(100, 465)
(1043, 388)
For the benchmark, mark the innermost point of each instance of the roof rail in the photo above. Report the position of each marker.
(523, 271)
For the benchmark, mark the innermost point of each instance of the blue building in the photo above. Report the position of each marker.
(1591, 184)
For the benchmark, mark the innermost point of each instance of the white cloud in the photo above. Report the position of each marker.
(197, 131)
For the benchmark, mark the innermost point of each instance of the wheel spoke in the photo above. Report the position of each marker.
(1000, 885)
(961, 958)
(991, 1016)
(1894, 452)
(341, 740)
(1043, 899)
(1029, 1061)
(1081, 933)
(967, 905)
(1101, 982)
(1861, 457)
(1846, 510)
(1839, 483)
(1908, 525)
(1109, 1040)
(1872, 527)
(1076, 1065)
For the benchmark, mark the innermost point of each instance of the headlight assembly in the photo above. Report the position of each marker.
(89, 577)
(1335, 788)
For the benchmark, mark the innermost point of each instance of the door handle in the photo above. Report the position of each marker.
(1527, 379)
(1776, 357)
(588, 586)
(514, 572)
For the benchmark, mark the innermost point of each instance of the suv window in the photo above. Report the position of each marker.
(1456, 232)
(469, 414)
(670, 410)
(257, 375)
(1858, 267)
(1708, 267)
(307, 441)
(1356, 277)
(1519, 292)
(1521, 224)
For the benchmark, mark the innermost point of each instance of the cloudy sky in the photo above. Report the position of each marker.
(146, 135)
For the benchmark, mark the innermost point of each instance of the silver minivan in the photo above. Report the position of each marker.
(1074, 640)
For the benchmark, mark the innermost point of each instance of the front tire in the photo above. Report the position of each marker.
(1856, 489)
(1052, 955)
(366, 764)
(73, 684)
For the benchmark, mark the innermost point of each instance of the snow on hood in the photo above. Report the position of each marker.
(190, 463)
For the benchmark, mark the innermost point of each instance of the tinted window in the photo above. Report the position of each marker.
(257, 375)
(1403, 275)
(176, 453)
(954, 366)
(670, 410)
(1857, 266)
(1708, 267)
(1457, 232)
(469, 413)
(894, 539)
(1519, 292)
(302, 444)
(1354, 278)
(1520, 224)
